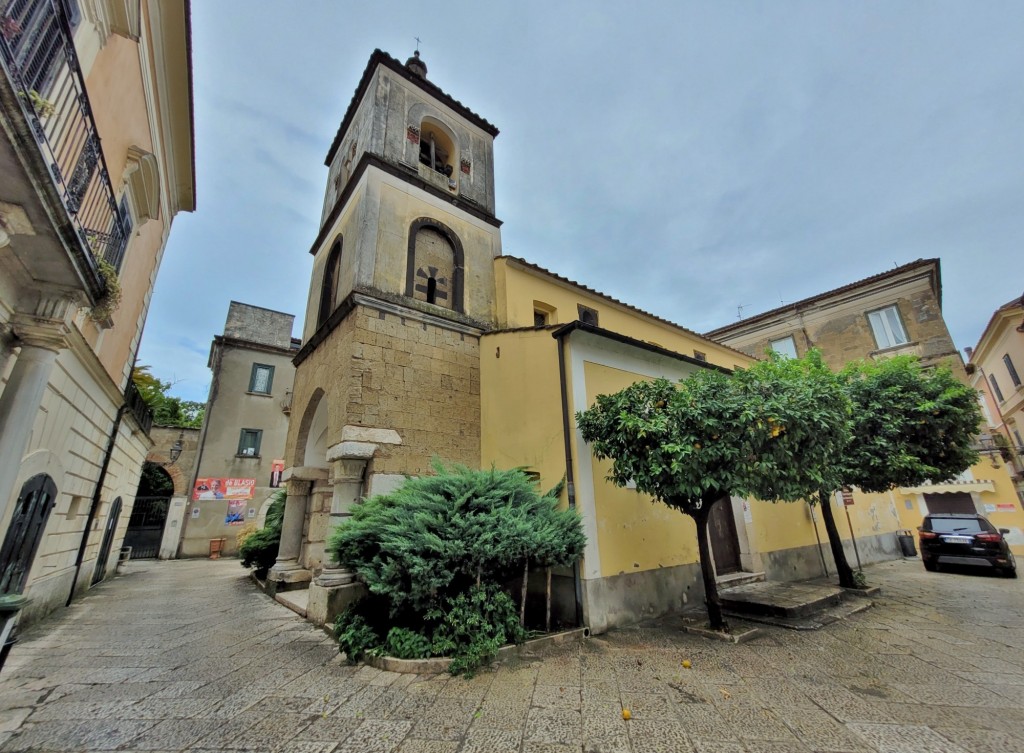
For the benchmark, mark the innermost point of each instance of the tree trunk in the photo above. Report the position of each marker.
(547, 614)
(835, 541)
(478, 577)
(714, 605)
(522, 599)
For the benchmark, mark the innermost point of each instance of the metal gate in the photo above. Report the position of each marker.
(37, 498)
(146, 526)
(108, 539)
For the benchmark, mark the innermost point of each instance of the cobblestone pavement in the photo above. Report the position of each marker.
(188, 656)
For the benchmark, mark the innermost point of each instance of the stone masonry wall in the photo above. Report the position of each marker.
(383, 370)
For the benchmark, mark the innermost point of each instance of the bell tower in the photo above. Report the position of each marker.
(402, 288)
(409, 202)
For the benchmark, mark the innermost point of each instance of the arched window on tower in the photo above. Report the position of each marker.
(435, 265)
(436, 148)
(329, 287)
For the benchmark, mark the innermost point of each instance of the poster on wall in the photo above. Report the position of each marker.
(224, 488)
(276, 469)
(236, 512)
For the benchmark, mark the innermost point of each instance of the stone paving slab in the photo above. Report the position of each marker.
(188, 656)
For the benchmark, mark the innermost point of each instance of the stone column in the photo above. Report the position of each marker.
(348, 489)
(287, 568)
(40, 338)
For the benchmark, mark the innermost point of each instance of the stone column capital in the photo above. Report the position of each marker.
(47, 326)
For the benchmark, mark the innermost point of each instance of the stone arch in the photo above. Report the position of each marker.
(420, 271)
(311, 440)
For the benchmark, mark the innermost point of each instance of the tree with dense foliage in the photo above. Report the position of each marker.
(168, 410)
(768, 431)
(910, 425)
(445, 545)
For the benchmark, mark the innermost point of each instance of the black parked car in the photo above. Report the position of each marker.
(964, 539)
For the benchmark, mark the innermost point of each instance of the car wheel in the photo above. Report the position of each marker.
(1010, 572)
(930, 566)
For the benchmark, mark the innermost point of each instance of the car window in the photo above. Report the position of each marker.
(957, 525)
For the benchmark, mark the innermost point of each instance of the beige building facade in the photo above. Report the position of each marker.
(240, 458)
(895, 312)
(996, 368)
(96, 154)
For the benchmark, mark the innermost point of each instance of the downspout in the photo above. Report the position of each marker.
(570, 484)
(94, 508)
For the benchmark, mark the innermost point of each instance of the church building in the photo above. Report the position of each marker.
(422, 340)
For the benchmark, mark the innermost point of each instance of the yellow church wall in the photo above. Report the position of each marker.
(524, 287)
(634, 532)
(520, 404)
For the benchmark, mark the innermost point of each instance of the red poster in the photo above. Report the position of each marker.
(224, 488)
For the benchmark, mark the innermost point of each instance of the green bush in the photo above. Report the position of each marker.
(259, 550)
(472, 626)
(403, 643)
(354, 634)
(435, 555)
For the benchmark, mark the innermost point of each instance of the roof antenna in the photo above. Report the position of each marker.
(739, 310)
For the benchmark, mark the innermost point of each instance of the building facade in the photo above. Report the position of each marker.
(240, 459)
(892, 313)
(423, 340)
(996, 366)
(96, 154)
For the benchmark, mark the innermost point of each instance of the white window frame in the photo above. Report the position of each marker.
(789, 352)
(882, 327)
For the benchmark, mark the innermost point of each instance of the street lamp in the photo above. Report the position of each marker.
(176, 449)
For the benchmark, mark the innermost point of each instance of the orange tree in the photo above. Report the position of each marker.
(909, 425)
(771, 431)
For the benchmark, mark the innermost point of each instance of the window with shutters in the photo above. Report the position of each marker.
(262, 378)
(249, 442)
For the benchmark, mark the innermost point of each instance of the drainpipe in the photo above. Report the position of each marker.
(570, 484)
(94, 508)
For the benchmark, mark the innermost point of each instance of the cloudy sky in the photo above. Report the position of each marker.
(688, 157)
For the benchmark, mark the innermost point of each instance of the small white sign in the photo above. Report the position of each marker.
(990, 508)
(252, 512)
(195, 513)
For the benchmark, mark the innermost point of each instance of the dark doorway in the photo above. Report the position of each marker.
(956, 502)
(108, 538)
(725, 544)
(149, 513)
(146, 526)
(35, 502)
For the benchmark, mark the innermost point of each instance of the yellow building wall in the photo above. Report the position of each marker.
(635, 533)
(520, 287)
(520, 404)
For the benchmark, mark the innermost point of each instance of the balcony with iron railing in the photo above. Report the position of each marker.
(136, 405)
(39, 60)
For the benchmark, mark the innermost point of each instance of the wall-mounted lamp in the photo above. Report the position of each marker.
(176, 448)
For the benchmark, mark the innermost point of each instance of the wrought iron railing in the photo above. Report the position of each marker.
(38, 56)
(141, 411)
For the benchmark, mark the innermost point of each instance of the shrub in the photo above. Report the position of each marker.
(354, 634)
(259, 550)
(403, 643)
(434, 556)
(471, 627)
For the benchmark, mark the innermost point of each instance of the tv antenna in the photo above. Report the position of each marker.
(739, 310)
